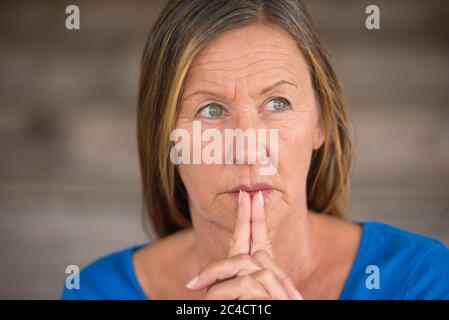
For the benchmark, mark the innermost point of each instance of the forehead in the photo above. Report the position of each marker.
(253, 53)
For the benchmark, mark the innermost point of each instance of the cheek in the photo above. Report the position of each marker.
(204, 184)
(194, 179)
(200, 181)
(295, 150)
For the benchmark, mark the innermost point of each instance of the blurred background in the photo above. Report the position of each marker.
(69, 178)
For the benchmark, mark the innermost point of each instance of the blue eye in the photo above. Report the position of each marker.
(278, 104)
(211, 111)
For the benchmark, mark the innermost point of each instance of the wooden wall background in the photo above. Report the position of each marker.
(69, 180)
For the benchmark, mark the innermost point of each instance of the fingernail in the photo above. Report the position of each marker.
(260, 196)
(295, 293)
(192, 282)
(240, 196)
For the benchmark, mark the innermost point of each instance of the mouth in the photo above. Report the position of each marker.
(252, 189)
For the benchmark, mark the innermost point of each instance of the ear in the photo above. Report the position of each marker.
(318, 136)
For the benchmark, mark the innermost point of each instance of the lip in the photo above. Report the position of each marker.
(252, 189)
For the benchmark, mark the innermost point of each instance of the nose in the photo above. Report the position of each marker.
(249, 138)
(247, 117)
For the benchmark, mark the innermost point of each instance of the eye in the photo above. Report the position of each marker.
(278, 104)
(211, 111)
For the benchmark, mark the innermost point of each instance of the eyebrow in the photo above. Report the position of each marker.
(205, 92)
(263, 91)
(277, 84)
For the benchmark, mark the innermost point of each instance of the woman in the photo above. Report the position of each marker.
(226, 230)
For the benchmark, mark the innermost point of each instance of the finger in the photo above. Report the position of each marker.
(239, 265)
(268, 279)
(266, 261)
(240, 240)
(241, 288)
(259, 232)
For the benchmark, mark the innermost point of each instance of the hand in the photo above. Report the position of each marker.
(249, 271)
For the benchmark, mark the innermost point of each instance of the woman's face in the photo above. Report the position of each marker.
(253, 78)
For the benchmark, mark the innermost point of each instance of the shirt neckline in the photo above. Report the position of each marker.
(354, 267)
(358, 257)
(132, 271)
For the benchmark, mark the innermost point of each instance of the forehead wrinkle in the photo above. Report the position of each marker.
(278, 44)
(247, 77)
(253, 49)
(208, 81)
(248, 68)
(197, 64)
(265, 43)
(241, 68)
(187, 95)
(286, 70)
(211, 73)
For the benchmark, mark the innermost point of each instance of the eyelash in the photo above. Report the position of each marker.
(286, 101)
(209, 104)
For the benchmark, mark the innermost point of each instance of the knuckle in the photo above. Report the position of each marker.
(205, 271)
(244, 259)
(245, 281)
(242, 256)
(209, 270)
(259, 254)
(266, 274)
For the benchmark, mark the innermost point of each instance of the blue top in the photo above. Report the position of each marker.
(390, 263)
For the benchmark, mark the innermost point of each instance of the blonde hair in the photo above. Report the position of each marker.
(183, 28)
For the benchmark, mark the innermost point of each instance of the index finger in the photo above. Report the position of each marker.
(240, 241)
(259, 231)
